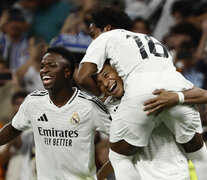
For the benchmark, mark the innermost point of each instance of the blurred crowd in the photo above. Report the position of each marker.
(29, 27)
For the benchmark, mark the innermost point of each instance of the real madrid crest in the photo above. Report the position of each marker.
(75, 119)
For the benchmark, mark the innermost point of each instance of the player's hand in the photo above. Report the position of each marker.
(164, 100)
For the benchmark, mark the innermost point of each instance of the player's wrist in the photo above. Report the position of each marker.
(181, 97)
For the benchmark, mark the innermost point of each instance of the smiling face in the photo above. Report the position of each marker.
(109, 82)
(54, 71)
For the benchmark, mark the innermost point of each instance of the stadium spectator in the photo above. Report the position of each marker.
(28, 74)
(27, 7)
(13, 44)
(48, 18)
(141, 26)
(5, 4)
(184, 13)
(8, 150)
(187, 64)
(183, 10)
(184, 31)
(164, 22)
(74, 34)
(144, 9)
(8, 86)
(196, 39)
(18, 151)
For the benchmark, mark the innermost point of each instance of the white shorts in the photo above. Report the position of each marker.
(183, 121)
(130, 122)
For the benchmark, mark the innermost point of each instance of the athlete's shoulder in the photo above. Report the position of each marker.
(92, 101)
(107, 35)
(112, 33)
(83, 96)
(97, 102)
(38, 93)
(35, 97)
(121, 34)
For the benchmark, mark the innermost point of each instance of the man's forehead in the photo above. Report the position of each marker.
(106, 67)
(52, 57)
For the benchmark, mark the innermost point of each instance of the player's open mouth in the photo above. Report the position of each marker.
(46, 79)
(113, 87)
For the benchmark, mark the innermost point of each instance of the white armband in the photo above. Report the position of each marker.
(181, 97)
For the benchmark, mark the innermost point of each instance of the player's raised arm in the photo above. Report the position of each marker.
(8, 133)
(167, 99)
(84, 78)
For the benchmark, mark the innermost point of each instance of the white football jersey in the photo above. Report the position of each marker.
(141, 56)
(64, 137)
(126, 50)
(162, 158)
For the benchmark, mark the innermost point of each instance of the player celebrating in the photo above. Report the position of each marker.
(63, 120)
(162, 148)
(143, 64)
(162, 158)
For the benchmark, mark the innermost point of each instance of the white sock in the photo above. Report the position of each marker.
(123, 167)
(199, 159)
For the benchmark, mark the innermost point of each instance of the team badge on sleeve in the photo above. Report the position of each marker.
(75, 119)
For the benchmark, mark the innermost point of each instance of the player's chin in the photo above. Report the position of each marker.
(118, 94)
(48, 86)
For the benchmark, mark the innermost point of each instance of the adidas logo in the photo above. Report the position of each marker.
(43, 118)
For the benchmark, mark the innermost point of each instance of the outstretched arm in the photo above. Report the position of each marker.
(84, 78)
(167, 99)
(8, 133)
(6, 153)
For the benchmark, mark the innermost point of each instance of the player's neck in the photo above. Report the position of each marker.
(61, 97)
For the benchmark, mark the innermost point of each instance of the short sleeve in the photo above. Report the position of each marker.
(97, 51)
(21, 120)
(101, 116)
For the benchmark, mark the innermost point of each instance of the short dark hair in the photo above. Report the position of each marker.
(66, 54)
(18, 94)
(116, 18)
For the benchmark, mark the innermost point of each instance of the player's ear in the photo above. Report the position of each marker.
(67, 72)
(108, 27)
